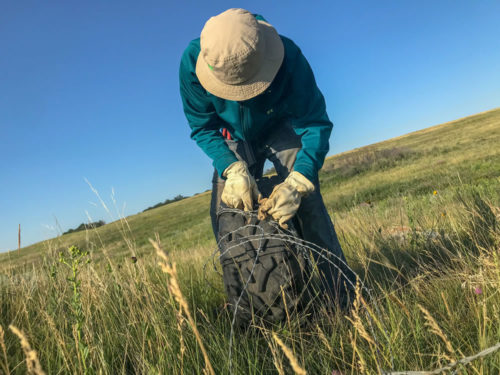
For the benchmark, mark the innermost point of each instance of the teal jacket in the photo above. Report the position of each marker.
(292, 95)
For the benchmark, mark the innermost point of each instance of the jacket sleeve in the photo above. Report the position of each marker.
(200, 113)
(309, 119)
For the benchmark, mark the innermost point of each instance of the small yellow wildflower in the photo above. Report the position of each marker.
(435, 192)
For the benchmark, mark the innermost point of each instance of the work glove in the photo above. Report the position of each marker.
(240, 189)
(284, 201)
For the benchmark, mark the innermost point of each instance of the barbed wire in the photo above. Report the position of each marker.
(452, 365)
(287, 237)
(291, 237)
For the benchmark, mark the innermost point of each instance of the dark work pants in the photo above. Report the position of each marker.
(281, 147)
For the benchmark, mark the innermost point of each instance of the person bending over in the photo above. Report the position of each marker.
(249, 95)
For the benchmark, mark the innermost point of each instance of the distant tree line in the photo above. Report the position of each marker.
(85, 226)
(175, 199)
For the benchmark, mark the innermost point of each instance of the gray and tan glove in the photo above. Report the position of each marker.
(284, 201)
(240, 190)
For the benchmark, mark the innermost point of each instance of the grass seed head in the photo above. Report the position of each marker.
(32, 363)
(291, 357)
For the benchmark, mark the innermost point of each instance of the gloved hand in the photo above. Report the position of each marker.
(284, 201)
(240, 189)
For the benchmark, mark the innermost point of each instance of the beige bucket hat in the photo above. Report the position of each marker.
(239, 55)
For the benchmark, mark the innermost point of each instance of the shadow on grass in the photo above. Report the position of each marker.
(409, 252)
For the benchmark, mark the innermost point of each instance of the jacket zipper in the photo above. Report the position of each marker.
(249, 155)
(243, 123)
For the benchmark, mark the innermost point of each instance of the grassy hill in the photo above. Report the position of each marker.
(461, 151)
(417, 217)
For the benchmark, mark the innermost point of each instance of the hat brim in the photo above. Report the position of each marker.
(273, 57)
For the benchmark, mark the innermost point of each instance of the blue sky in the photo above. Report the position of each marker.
(89, 90)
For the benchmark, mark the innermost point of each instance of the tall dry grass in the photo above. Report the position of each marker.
(435, 289)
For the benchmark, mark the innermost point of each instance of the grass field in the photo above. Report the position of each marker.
(418, 219)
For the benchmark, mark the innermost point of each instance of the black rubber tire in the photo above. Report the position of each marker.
(278, 284)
